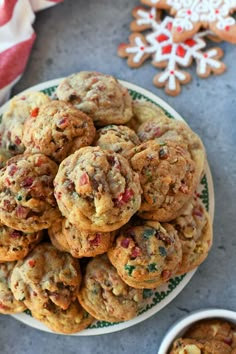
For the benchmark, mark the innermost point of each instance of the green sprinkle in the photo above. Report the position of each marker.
(1, 118)
(162, 251)
(19, 197)
(148, 233)
(149, 176)
(147, 293)
(129, 268)
(161, 143)
(152, 267)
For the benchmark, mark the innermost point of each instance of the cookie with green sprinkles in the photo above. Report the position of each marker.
(8, 303)
(27, 202)
(20, 108)
(194, 228)
(57, 130)
(67, 321)
(46, 279)
(15, 244)
(80, 243)
(147, 255)
(105, 295)
(97, 190)
(161, 128)
(168, 178)
(100, 96)
(117, 138)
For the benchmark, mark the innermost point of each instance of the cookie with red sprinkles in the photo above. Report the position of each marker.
(27, 202)
(97, 190)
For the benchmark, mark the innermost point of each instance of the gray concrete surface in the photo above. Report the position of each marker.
(80, 35)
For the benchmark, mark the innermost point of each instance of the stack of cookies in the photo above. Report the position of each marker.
(97, 203)
(174, 32)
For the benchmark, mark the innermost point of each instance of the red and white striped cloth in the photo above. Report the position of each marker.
(16, 39)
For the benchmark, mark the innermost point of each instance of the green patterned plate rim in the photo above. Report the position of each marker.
(158, 298)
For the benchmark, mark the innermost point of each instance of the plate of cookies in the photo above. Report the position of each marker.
(106, 205)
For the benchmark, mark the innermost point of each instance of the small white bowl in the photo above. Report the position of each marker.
(181, 326)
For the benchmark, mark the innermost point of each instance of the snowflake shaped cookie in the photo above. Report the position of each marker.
(191, 15)
(167, 54)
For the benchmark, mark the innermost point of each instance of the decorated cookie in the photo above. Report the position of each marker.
(101, 96)
(97, 190)
(79, 243)
(192, 15)
(20, 108)
(159, 44)
(8, 303)
(162, 129)
(46, 278)
(146, 256)
(195, 232)
(117, 138)
(57, 130)
(168, 177)
(27, 201)
(15, 244)
(104, 294)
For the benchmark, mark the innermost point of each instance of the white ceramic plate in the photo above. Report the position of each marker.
(157, 298)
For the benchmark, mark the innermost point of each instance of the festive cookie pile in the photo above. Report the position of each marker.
(173, 43)
(98, 203)
(208, 336)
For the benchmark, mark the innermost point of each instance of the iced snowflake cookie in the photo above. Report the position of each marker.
(104, 294)
(168, 177)
(97, 190)
(4, 156)
(146, 256)
(79, 243)
(20, 108)
(159, 45)
(190, 16)
(195, 232)
(8, 303)
(46, 277)
(72, 320)
(58, 130)
(101, 96)
(143, 111)
(162, 129)
(27, 202)
(15, 245)
(117, 138)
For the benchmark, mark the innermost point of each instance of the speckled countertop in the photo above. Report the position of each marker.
(83, 35)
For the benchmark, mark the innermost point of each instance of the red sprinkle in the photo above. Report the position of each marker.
(166, 274)
(183, 188)
(8, 182)
(125, 242)
(125, 197)
(136, 251)
(27, 182)
(16, 234)
(12, 170)
(197, 212)
(17, 140)
(22, 212)
(34, 112)
(3, 307)
(84, 179)
(39, 162)
(31, 263)
(96, 241)
(58, 195)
